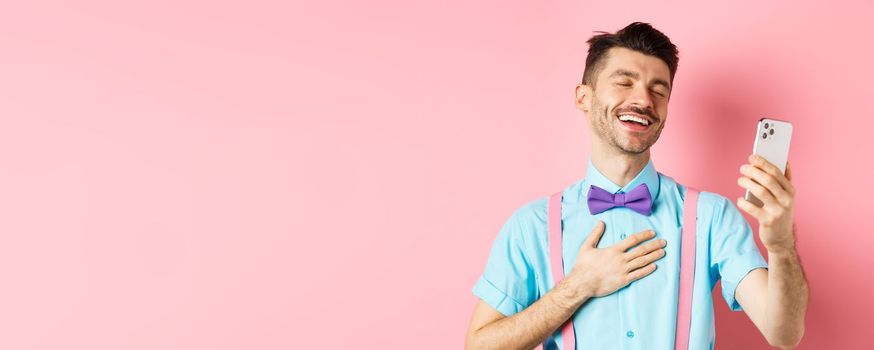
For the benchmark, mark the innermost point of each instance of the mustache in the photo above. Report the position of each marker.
(647, 112)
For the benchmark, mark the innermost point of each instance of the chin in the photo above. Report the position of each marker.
(634, 150)
(634, 147)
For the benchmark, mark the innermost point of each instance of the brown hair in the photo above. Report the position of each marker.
(638, 36)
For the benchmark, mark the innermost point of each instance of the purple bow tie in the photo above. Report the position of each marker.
(638, 200)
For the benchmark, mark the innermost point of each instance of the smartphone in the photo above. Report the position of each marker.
(772, 143)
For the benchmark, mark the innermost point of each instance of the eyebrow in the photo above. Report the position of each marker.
(634, 75)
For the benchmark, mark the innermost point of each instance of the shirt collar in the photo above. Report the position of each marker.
(647, 176)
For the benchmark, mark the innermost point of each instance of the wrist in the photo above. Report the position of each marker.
(780, 242)
(781, 251)
(572, 292)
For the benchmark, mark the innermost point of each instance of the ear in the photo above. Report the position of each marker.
(583, 97)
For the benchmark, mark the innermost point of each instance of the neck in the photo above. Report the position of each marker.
(619, 167)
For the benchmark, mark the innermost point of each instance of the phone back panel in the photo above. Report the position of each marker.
(772, 143)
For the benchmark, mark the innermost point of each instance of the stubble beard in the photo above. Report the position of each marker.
(605, 126)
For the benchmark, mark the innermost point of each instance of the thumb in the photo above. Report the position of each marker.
(595, 236)
(788, 172)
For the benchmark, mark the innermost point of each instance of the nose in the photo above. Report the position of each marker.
(641, 97)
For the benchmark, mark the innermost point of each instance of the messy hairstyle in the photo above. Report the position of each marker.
(638, 36)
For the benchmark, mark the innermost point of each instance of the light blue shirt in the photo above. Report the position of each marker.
(641, 315)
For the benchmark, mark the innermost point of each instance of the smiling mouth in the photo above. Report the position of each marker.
(627, 117)
(634, 121)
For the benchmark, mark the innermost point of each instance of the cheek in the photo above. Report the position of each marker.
(603, 109)
(612, 98)
(606, 102)
(662, 110)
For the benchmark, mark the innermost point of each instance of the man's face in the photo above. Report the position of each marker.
(631, 88)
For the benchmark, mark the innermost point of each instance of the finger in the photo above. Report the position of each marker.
(634, 240)
(770, 168)
(750, 208)
(769, 182)
(642, 261)
(645, 248)
(761, 192)
(788, 172)
(640, 273)
(595, 236)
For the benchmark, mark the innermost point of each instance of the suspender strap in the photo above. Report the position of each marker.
(687, 269)
(556, 262)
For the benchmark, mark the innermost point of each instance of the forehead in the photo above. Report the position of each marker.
(649, 67)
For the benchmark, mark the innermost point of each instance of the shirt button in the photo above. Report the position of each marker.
(630, 334)
(622, 236)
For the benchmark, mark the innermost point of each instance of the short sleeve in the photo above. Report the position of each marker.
(733, 249)
(508, 280)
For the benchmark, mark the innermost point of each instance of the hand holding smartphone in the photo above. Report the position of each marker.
(772, 143)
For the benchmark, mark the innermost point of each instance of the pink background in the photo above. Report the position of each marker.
(208, 175)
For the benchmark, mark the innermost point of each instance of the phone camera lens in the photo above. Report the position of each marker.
(767, 125)
(764, 135)
(772, 131)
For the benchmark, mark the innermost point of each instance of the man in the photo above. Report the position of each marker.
(621, 291)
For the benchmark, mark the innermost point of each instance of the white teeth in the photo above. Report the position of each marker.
(638, 120)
